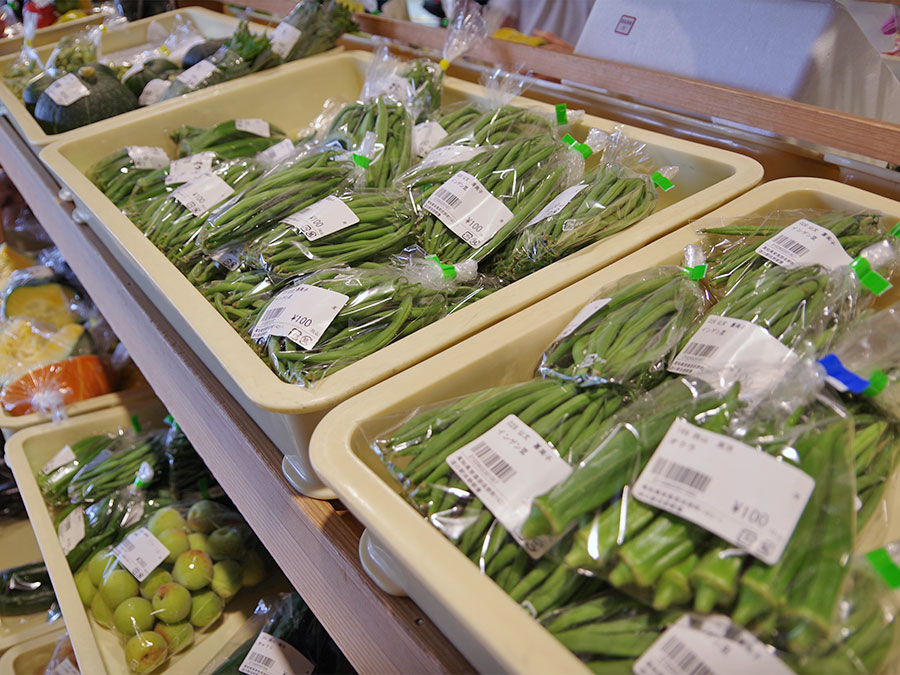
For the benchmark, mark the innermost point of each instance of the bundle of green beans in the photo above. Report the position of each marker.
(54, 484)
(390, 123)
(239, 296)
(731, 249)
(116, 175)
(279, 193)
(472, 125)
(119, 469)
(876, 443)
(384, 228)
(523, 174)
(384, 306)
(225, 139)
(613, 199)
(629, 339)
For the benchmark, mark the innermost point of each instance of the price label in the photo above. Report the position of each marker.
(725, 350)
(449, 154)
(140, 553)
(558, 204)
(62, 457)
(322, 218)
(272, 656)
(710, 646)
(66, 90)
(187, 169)
(229, 258)
(147, 157)
(253, 125)
(197, 74)
(71, 530)
(284, 37)
(471, 212)
(583, 315)
(742, 494)
(153, 91)
(202, 193)
(277, 153)
(426, 135)
(507, 467)
(398, 88)
(300, 313)
(804, 243)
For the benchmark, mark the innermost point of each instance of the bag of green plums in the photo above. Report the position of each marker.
(170, 578)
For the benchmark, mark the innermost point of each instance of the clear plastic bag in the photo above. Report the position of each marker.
(415, 83)
(28, 64)
(63, 658)
(239, 295)
(54, 478)
(353, 226)
(27, 344)
(230, 139)
(312, 27)
(10, 26)
(74, 51)
(188, 476)
(117, 174)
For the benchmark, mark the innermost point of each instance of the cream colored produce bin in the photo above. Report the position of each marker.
(50, 34)
(212, 25)
(33, 656)
(402, 551)
(19, 547)
(10, 424)
(99, 649)
(707, 177)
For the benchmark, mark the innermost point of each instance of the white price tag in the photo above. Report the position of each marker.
(300, 313)
(507, 467)
(465, 206)
(558, 204)
(66, 668)
(64, 456)
(276, 153)
(583, 315)
(140, 553)
(71, 530)
(153, 91)
(197, 73)
(202, 193)
(426, 135)
(726, 350)
(449, 154)
(322, 218)
(715, 647)
(284, 37)
(396, 87)
(67, 89)
(804, 243)
(229, 258)
(271, 656)
(253, 125)
(187, 169)
(147, 157)
(741, 494)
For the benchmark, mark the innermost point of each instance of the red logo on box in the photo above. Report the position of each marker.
(626, 23)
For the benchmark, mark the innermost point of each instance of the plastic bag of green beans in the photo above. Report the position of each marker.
(28, 64)
(117, 174)
(353, 226)
(229, 139)
(415, 83)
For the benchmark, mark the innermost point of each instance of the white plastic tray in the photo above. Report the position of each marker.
(402, 551)
(98, 649)
(707, 178)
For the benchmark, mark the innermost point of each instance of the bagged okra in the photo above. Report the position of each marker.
(312, 27)
(27, 65)
(303, 642)
(343, 228)
(472, 202)
(230, 139)
(336, 316)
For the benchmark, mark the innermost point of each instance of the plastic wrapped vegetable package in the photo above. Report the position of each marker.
(312, 27)
(28, 64)
(230, 139)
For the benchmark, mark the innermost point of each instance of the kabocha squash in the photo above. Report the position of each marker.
(154, 68)
(10, 261)
(58, 384)
(200, 51)
(106, 97)
(24, 345)
(36, 87)
(50, 303)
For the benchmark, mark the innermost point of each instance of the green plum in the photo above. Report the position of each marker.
(225, 543)
(101, 612)
(198, 542)
(176, 541)
(206, 607)
(146, 651)
(227, 576)
(101, 562)
(117, 586)
(133, 616)
(177, 635)
(205, 516)
(86, 590)
(166, 518)
(193, 569)
(154, 580)
(172, 603)
(253, 568)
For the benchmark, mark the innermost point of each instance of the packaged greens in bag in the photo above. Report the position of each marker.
(74, 51)
(28, 64)
(116, 174)
(54, 478)
(230, 139)
(312, 27)
(239, 295)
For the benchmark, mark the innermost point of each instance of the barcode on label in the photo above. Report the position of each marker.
(262, 660)
(274, 312)
(791, 245)
(447, 197)
(493, 462)
(686, 660)
(681, 474)
(699, 349)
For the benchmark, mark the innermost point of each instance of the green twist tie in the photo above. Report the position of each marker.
(877, 382)
(887, 568)
(168, 419)
(135, 424)
(896, 230)
(568, 140)
(449, 271)
(661, 181)
(360, 160)
(561, 116)
(697, 272)
(578, 147)
(445, 22)
(869, 277)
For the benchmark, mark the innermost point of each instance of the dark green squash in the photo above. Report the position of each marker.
(154, 68)
(200, 51)
(108, 97)
(36, 87)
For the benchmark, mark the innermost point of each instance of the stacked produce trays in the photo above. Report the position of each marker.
(213, 25)
(405, 553)
(291, 99)
(98, 649)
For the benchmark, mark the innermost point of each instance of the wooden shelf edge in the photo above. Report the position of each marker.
(315, 545)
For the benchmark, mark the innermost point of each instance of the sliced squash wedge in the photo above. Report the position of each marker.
(10, 261)
(25, 345)
(50, 303)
